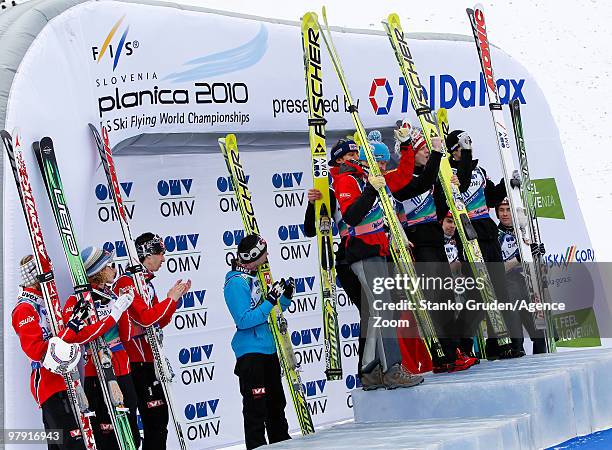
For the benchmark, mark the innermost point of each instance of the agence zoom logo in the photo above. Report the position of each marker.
(227, 198)
(294, 244)
(182, 253)
(191, 313)
(175, 197)
(288, 190)
(114, 51)
(196, 364)
(444, 94)
(106, 205)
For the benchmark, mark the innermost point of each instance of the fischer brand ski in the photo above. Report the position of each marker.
(74, 389)
(276, 320)
(454, 200)
(512, 176)
(100, 353)
(163, 369)
(543, 318)
(398, 241)
(320, 174)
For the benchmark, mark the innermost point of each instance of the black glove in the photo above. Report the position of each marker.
(538, 249)
(275, 292)
(80, 313)
(288, 287)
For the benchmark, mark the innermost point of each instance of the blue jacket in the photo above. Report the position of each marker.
(250, 311)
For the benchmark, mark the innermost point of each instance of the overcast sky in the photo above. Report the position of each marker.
(566, 45)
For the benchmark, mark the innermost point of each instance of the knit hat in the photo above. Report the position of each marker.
(95, 259)
(452, 140)
(251, 248)
(505, 201)
(379, 149)
(28, 273)
(149, 244)
(342, 147)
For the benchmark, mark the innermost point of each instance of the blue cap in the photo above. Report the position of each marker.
(379, 149)
(95, 259)
(342, 147)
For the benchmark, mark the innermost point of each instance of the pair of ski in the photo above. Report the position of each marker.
(100, 353)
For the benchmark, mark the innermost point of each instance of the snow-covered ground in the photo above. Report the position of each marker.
(565, 45)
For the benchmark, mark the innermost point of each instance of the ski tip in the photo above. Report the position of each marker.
(230, 140)
(393, 19)
(470, 12)
(324, 15)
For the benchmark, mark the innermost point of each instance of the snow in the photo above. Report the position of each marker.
(565, 45)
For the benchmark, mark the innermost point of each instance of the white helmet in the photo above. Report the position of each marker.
(61, 357)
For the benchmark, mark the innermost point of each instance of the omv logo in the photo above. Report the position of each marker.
(114, 51)
(226, 61)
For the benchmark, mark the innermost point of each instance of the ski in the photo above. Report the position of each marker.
(278, 324)
(74, 389)
(401, 257)
(543, 318)
(320, 175)
(454, 200)
(443, 126)
(512, 176)
(100, 353)
(163, 369)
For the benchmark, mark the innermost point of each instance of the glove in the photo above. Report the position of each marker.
(436, 144)
(275, 292)
(288, 287)
(402, 134)
(465, 141)
(538, 249)
(377, 182)
(122, 303)
(61, 357)
(80, 312)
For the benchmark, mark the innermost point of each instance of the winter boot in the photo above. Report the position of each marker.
(397, 376)
(372, 380)
(463, 361)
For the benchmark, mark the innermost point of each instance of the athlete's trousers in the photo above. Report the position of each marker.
(381, 346)
(263, 399)
(152, 406)
(101, 422)
(57, 415)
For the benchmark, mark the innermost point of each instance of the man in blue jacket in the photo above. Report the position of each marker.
(257, 365)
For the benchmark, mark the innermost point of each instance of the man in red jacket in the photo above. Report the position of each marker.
(151, 400)
(30, 322)
(367, 250)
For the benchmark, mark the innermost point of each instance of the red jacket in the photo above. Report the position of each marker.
(120, 360)
(360, 208)
(140, 315)
(30, 323)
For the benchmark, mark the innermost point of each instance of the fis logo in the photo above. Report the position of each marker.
(288, 191)
(191, 314)
(231, 239)
(316, 396)
(308, 345)
(196, 364)
(175, 197)
(294, 244)
(443, 91)
(350, 339)
(227, 198)
(572, 255)
(106, 206)
(206, 422)
(114, 51)
(182, 252)
(305, 298)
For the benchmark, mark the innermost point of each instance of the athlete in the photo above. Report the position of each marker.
(426, 236)
(479, 194)
(257, 365)
(101, 272)
(517, 289)
(367, 249)
(31, 323)
(152, 404)
(344, 150)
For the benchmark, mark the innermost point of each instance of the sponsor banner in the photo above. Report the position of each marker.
(578, 329)
(139, 70)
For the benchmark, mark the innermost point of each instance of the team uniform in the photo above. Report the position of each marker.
(517, 290)
(30, 322)
(151, 401)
